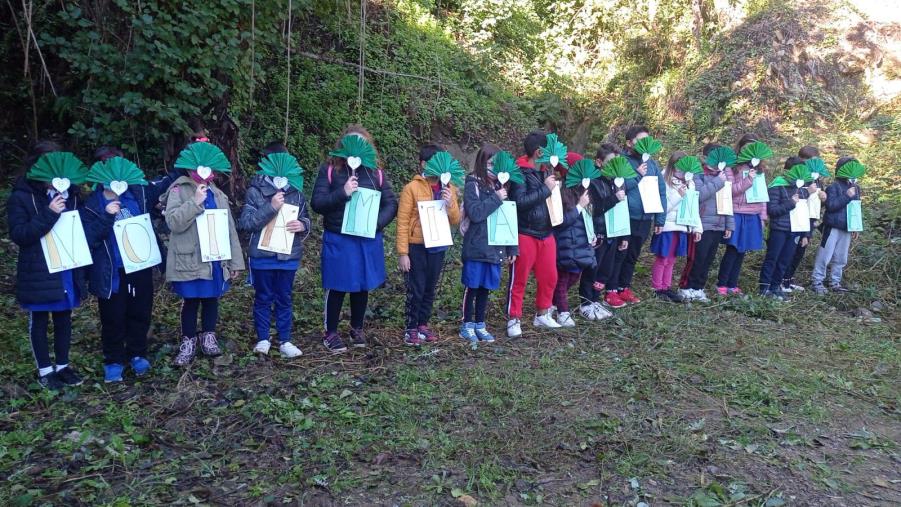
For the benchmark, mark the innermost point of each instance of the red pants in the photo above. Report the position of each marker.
(540, 256)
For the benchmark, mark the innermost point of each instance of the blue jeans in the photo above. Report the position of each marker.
(780, 250)
(273, 288)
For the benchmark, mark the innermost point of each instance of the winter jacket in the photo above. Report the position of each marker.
(708, 184)
(329, 198)
(837, 201)
(480, 201)
(673, 203)
(258, 212)
(183, 260)
(740, 184)
(781, 204)
(100, 273)
(603, 199)
(636, 210)
(574, 252)
(29, 219)
(531, 200)
(409, 230)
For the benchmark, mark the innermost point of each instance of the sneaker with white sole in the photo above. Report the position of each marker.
(589, 311)
(514, 328)
(565, 319)
(700, 295)
(262, 347)
(600, 312)
(289, 350)
(687, 294)
(546, 320)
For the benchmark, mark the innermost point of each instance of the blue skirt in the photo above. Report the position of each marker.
(748, 233)
(214, 288)
(352, 263)
(662, 244)
(72, 299)
(481, 275)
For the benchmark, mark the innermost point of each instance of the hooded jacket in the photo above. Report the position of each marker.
(603, 199)
(781, 204)
(329, 198)
(409, 230)
(258, 212)
(480, 201)
(707, 185)
(574, 252)
(636, 210)
(531, 200)
(837, 201)
(740, 184)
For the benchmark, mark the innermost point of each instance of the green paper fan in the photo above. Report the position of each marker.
(202, 154)
(618, 167)
(553, 151)
(816, 165)
(581, 173)
(690, 164)
(798, 172)
(58, 164)
(754, 151)
(283, 165)
(116, 169)
(779, 181)
(355, 147)
(504, 163)
(851, 169)
(647, 146)
(443, 163)
(721, 155)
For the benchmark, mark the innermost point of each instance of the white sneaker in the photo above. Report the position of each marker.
(589, 312)
(600, 312)
(565, 319)
(288, 350)
(795, 288)
(514, 328)
(687, 294)
(262, 347)
(546, 320)
(700, 295)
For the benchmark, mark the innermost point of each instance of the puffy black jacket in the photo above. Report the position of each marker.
(837, 201)
(573, 250)
(531, 203)
(30, 218)
(258, 212)
(329, 198)
(480, 201)
(603, 199)
(781, 204)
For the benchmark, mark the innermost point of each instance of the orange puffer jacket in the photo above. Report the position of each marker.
(409, 230)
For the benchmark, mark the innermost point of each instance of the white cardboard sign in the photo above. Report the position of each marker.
(436, 229)
(65, 246)
(724, 200)
(649, 189)
(137, 243)
(555, 206)
(212, 232)
(275, 236)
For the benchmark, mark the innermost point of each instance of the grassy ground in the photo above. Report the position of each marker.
(730, 403)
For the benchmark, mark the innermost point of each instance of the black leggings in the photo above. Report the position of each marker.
(62, 337)
(475, 303)
(334, 300)
(208, 317)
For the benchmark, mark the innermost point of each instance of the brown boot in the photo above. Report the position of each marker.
(209, 345)
(186, 350)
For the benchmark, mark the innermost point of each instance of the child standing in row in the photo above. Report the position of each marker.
(833, 249)
(351, 264)
(788, 283)
(199, 283)
(483, 194)
(422, 265)
(610, 252)
(279, 182)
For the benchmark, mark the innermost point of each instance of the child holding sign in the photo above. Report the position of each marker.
(122, 274)
(838, 230)
(642, 223)
(44, 286)
(275, 214)
(204, 250)
(537, 247)
(484, 195)
(749, 218)
(610, 251)
(807, 154)
(423, 264)
(356, 202)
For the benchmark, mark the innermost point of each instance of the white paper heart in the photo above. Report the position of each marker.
(503, 178)
(554, 160)
(619, 181)
(721, 166)
(61, 184)
(586, 182)
(799, 183)
(853, 180)
(118, 187)
(755, 162)
(815, 176)
(445, 178)
(354, 162)
(645, 157)
(279, 182)
(204, 172)
(689, 176)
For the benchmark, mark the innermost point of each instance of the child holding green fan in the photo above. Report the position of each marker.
(48, 189)
(841, 223)
(811, 157)
(200, 284)
(441, 175)
(278, 185)
(125, 300)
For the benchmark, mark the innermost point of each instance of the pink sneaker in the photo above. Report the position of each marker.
(735, 291)
(722, 291)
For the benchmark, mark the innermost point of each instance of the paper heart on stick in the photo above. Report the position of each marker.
(61, 184)
(815, 176)
(445, 178)
(118, 187)
(799, 183)
(689, 176)
(554, 160)
(645, 157)
(755, 162)
(503, 178)
(721, 166)
(204, 172)
(619, 182)
(279, 182)
(586, 182)
(354, 162)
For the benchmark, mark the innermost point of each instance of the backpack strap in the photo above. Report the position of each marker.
(329, 173)
(381, 179)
